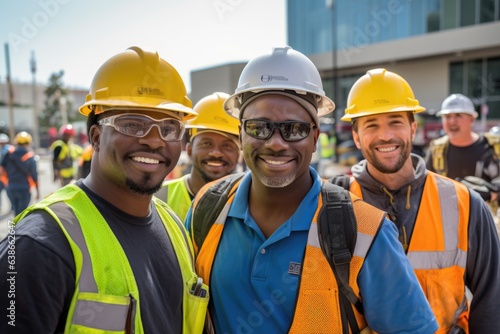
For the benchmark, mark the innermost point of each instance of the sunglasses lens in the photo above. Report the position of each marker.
(290, 131)
(258, 129)
(296, 131)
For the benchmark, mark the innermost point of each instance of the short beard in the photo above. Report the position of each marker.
(381, 167)
(140, 188)
(276, 181)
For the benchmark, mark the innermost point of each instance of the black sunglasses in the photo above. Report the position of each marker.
(264, 129)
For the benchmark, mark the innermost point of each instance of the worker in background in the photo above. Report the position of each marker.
(213, 150)
(20, 168)
(463, 154)
(64, 154)
(84, 161)
(5, 147)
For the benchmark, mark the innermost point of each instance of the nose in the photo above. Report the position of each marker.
(153, 137)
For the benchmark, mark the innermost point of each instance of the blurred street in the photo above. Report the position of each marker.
(46, 187)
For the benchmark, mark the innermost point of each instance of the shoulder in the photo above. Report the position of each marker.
(40, 229)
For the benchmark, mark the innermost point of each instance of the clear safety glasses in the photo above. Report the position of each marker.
(139, 125)
(264, 129)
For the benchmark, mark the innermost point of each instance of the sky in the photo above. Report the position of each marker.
(78, 36)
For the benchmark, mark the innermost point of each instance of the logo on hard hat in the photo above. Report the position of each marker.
(268, 77)
(149, 91)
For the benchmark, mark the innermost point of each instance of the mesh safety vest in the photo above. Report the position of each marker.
(176, 195)
(438, 248)
(317, 309)
(106, 297)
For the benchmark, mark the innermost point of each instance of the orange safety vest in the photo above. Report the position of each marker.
(438, 248)
(317, 308)
(4, 178)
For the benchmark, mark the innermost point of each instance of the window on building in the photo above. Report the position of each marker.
(479, 79)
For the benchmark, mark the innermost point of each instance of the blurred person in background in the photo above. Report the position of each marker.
(20, 168)
(5, 147)
(463, 154)
(213, 150)
(64, 154)
(84, 161)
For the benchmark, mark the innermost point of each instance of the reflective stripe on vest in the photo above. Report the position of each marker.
(438, 248)
(311, 306)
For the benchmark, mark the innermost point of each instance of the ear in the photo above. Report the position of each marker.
(95, 136)
(189, 149)
(316, 136)
(414, 127)
(355, 137)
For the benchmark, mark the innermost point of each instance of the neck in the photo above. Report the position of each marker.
(271, 207)
(394, 181)
(134, 204)
(465, 140)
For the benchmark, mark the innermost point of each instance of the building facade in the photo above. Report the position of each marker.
(440, 46)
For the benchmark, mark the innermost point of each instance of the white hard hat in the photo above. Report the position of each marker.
(457, 103)
(285, 72)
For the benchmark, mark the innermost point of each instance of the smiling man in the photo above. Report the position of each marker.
(262, 255)
(103, 255)
(213, 149)
(446, 230)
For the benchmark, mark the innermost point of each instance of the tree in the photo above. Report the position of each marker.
(57, 107)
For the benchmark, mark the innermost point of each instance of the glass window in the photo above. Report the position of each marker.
(494, 109)
(450, 14)
(467, 13)
(475, 83)
(493, 77)
(456, 77)
(433, 15)
(487, 11)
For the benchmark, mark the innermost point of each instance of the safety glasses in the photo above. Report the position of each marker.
(264, 129)
(139, 125)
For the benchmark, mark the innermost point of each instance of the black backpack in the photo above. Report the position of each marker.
(337, 231)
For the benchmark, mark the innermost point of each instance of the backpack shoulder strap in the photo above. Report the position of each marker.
(494, 142)
(341, 180)
(337, 232)
(209, 205)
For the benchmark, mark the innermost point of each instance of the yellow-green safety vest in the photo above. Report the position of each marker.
(106, 294)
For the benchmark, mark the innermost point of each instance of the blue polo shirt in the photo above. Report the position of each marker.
(255, 280)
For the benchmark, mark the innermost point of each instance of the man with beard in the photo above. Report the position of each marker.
(263, 254)
(213, 149)
(104, 255)
(445, 228)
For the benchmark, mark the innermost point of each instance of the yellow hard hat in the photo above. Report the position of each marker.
(23, 138)
(377, 92)
(212, 116)
(136, 79)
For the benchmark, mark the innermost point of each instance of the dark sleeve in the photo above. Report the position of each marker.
(37, 278)
(57, 150)
(483, 269)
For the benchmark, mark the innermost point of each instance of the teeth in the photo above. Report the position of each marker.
(387, 149)
(215, 164)
(146, 160)
(272, 162)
